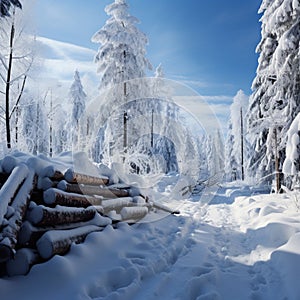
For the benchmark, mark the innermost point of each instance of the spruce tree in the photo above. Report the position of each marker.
(121, 56)
(276, 89)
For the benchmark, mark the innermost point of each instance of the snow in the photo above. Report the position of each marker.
(242, 244)
(8, 190)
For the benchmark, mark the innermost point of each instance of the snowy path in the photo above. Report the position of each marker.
(231, 248)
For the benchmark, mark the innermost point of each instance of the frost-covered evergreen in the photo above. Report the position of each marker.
(6, 6)
(291, 165)
(78, 100)
(276, 89)
(35, 127)
(215, 154)
(121, 56)
(236, 143)
(60, 131)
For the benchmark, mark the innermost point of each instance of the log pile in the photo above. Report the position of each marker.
(43, 214)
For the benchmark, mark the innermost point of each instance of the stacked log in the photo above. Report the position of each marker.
(43, 214)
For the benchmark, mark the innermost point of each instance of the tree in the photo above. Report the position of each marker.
(16, 59)
(121, 56)
(35, 127)
(78, 99)
(5, 6)
(215, 154)
(276, 89)
(236, 143)
(291, 165)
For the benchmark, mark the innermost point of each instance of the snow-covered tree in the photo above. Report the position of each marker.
(60, 130)
(78, 100)
(6, 6)
(215, 154)
(291, 165)
(276, 89)
(236, 143)
(121, 56)
(16, 59)
(35, 127)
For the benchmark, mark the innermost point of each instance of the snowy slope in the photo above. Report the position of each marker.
(241, 245)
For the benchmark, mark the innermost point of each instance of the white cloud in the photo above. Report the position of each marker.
(62, 59)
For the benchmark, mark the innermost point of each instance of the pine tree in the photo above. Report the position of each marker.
(215, 154)
(5, 7)
(78, 99)
(236, 140)
(35, 127)
(120, 59)
(276, 89)
(121, 56)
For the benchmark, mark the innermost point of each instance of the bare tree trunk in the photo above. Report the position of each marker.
(7, 86)
(242, 144)
(277, 174)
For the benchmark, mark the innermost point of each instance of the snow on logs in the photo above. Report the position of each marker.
(9, 234)
(59, 241)
(44, 209)
(10, 187)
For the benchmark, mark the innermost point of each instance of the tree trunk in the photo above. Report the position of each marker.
(277, 174)
(242, 144)
(7, 86)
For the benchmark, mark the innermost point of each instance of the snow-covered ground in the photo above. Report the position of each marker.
(243, 244)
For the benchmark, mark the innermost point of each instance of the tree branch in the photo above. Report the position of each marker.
(19, 97)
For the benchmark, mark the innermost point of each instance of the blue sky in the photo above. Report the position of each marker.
(210, 45)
